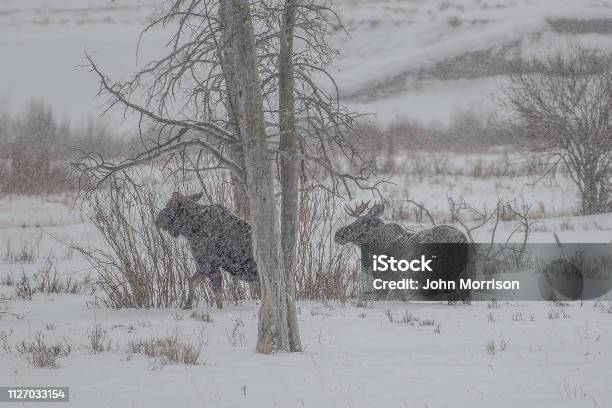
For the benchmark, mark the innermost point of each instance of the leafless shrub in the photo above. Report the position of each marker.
(237, 336)
(41, 354)
(496, 254)
(8, 280)
(493, 347)
(202, 317)
(558, 310)
(571, 391)
(143, 267)
(408, 318)
(4, 339)
(47, 281)
(427, 322)
(323, 269)
(26, 254)
(98, 339)
(605, 307)
(24, 288)
(389, 314)
(168, 350)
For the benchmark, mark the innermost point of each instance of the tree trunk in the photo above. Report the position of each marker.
(239, 190)
(289, 166)
(229, 65)
(273, 323)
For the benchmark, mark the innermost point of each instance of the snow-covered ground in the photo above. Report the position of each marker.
(393, 354)
(430, 355)
(405, 59)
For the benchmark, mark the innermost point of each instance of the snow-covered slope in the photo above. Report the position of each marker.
(425, 59)
(420, 59)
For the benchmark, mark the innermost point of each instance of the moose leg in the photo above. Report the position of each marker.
(194, 281)
(216, 281)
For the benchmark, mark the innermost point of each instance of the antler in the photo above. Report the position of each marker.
(358, 210)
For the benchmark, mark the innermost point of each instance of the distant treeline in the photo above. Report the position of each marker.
(467, 132)
(35, 147)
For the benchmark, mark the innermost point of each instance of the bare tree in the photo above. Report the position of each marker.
(241, 85)
(274, 313)
(289, 164)
(560, 110)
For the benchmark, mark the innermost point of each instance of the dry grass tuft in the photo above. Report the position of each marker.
(47, 281)
(41, 354)
(168, 350)
(201, 316)
(98, 340)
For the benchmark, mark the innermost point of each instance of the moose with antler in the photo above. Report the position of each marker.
(445, 245)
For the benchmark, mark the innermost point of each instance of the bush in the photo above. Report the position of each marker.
(98, 339)
(323, 269)
(43, 355)
(45, 281)
(169, 350)
(142, 267)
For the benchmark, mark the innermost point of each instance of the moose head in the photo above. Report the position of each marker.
(357, 232)
(177, 213)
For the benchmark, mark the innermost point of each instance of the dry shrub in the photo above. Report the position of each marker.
(169, 350)
(201, 316)
(47, 281)
(142, 266)
(98, 339)
(237, 336)
(24, 288)
(41, 354)
(26, 254)
(323, 269)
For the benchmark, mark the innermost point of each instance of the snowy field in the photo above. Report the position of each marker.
(429, 355)
(424, 60)
(356, 354)
(404, 59)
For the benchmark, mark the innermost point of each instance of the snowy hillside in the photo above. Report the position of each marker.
(404, 58)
